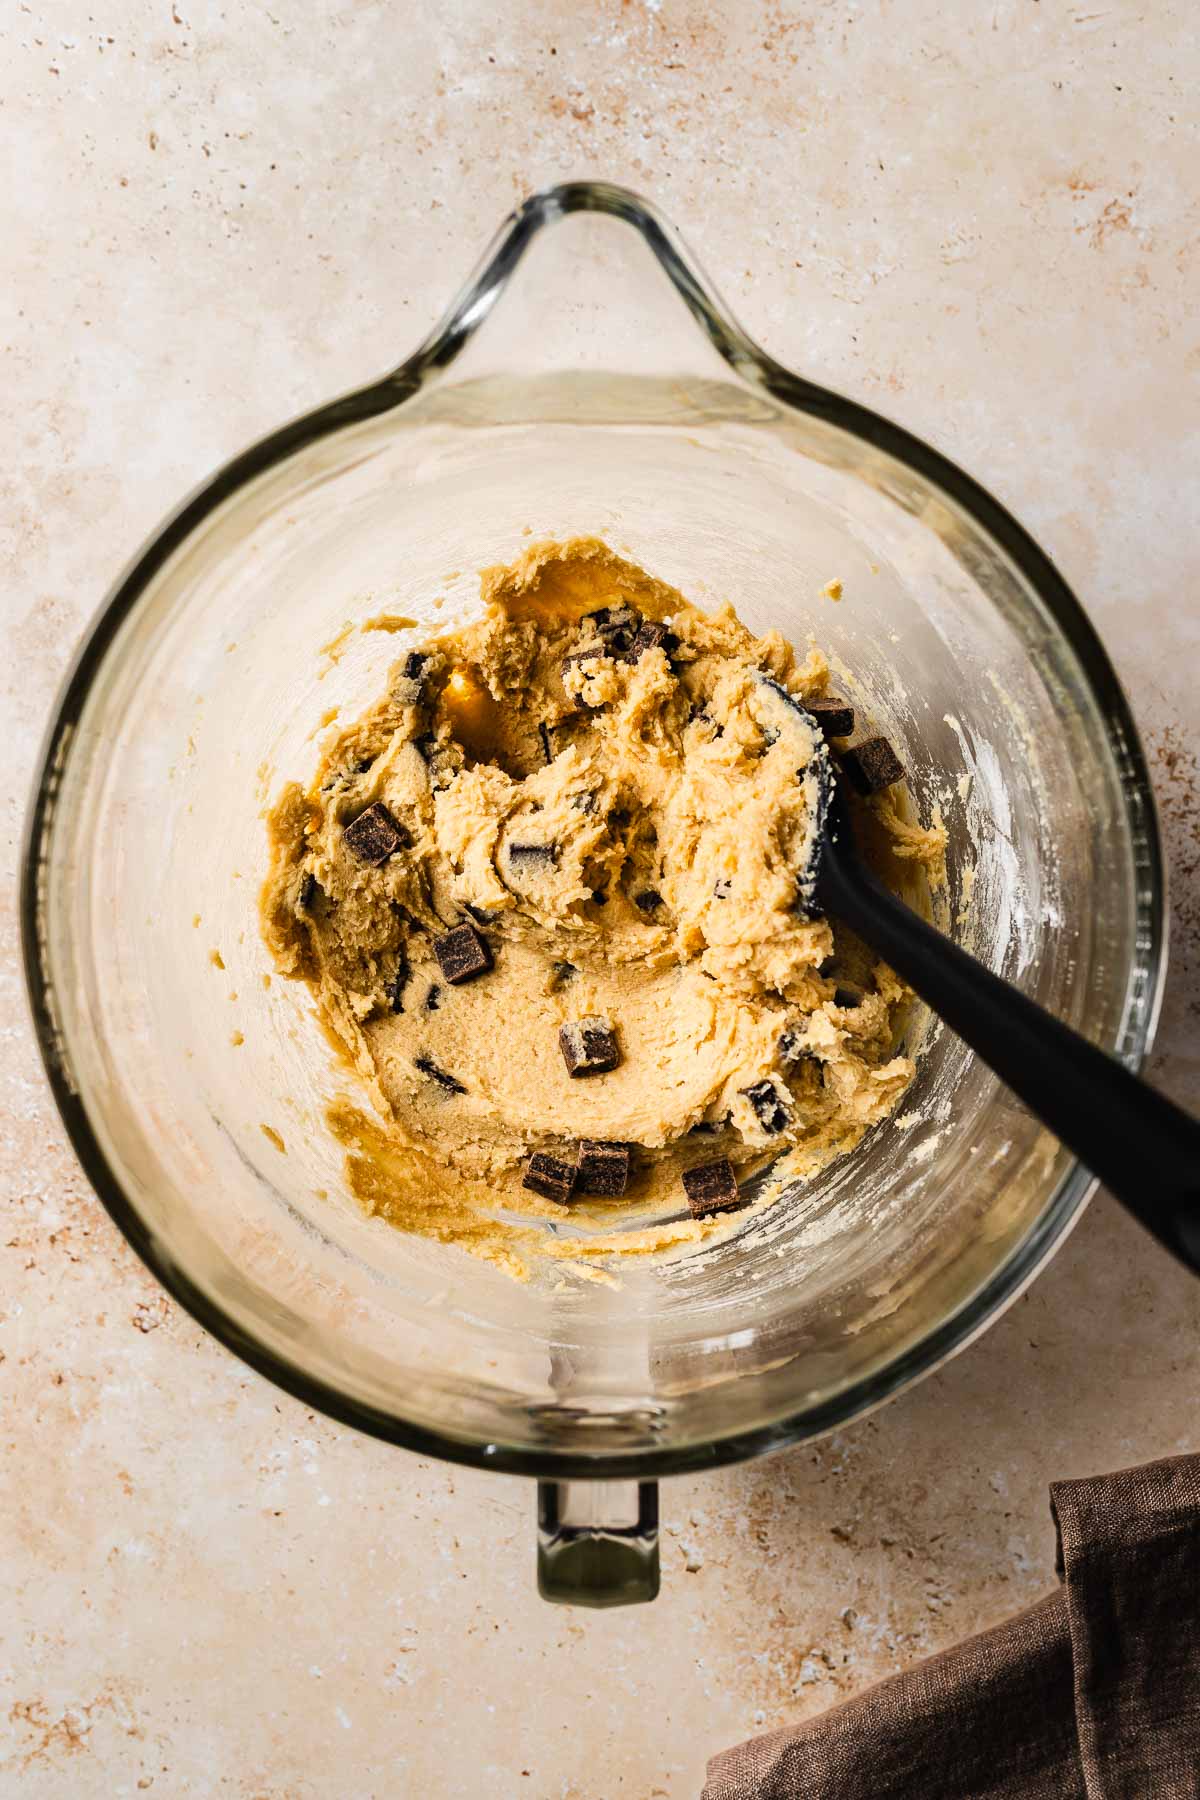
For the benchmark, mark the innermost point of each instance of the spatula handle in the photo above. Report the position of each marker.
(1144, 1148)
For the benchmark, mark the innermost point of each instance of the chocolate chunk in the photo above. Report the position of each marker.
(589, 1045)
(394, 990)
(872, 765)
(791, 1047)
(651, 635)
(847, 996)
(834, 715)
(722, 888)
(433, 998)
(549, 1176)
(584, 803)
(615, 624)
(308, 891)
(770, 1108)
(428, 1067)
(532, 856)
(711, 1188)
(648, 902)
(410, 683)
(582, 656)
(544, 734)
(375, 835)
(793, 1050)
(602, 1168)
(462, 954)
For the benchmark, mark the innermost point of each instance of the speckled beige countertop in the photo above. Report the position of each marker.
(219, 213)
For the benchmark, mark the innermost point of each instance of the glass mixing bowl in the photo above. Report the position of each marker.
(587, 379)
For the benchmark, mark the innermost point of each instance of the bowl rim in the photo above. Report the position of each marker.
(750, 364)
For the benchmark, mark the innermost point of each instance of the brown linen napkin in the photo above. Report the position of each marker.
(1093, 1694)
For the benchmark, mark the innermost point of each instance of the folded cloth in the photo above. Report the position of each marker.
(1093, 1694)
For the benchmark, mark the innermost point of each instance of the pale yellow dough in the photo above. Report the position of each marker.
(688, 777)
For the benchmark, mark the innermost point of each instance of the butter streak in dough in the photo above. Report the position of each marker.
(684, 777)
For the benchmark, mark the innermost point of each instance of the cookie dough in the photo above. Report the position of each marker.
(615, 794)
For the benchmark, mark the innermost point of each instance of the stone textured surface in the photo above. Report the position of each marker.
(984, 221)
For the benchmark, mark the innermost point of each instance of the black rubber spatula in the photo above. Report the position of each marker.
(1145, 1149)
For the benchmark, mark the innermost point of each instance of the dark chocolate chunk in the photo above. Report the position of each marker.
(462, 954)
(615, 624)
(722, 888)
(770, 1108)
(582, 656)
(550, 1176)
(845, 995)
(791, 1047)
(585, 802)
(428, 1067)
(308, 890)
(433, 998)
(651, 635)
(872, 765)
(532, 856)
(394, 989)
(410, 683)
(602, 1168)
(711, 1188)
(648, 902)
(589, 1045)
(375, 835)
(834, 715)
(563, 972)
(544, 734)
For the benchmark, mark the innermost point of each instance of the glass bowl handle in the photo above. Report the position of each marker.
(598, 1542)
